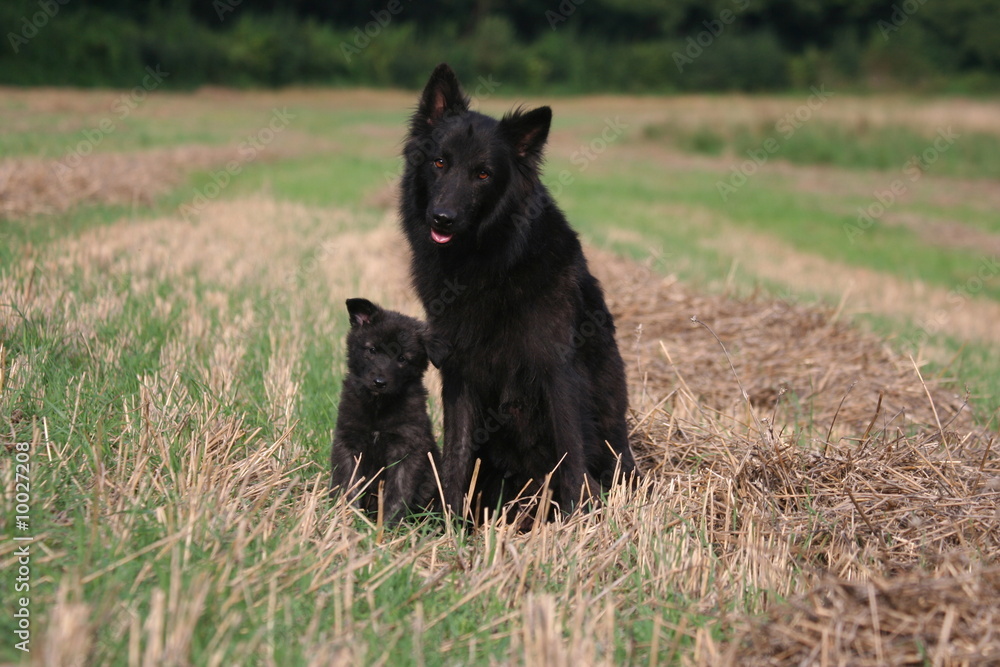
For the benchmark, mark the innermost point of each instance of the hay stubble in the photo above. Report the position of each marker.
(747, 545)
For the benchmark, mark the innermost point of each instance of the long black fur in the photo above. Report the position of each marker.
(383, 434)
(534, 382)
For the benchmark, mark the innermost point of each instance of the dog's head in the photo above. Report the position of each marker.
(386, 350)
(470, 174)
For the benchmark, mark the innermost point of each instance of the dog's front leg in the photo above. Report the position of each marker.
(567, 429)
(459, 411)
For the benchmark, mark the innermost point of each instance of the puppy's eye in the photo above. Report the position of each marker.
(401, 359)
(371, 350)
(482, 174)
(439, 163)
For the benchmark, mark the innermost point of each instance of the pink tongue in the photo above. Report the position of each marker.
(438, 237)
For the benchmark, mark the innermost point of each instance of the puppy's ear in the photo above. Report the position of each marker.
(438, 349)
(442, 96)
(528, 132)
(362, 312)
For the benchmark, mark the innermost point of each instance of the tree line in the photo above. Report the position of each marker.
(571, 46)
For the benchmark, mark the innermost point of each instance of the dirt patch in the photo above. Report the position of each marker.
(74, 101)
(949, 233)
(833, 183)
(31, 186)
(697, 110)
(958, 311)
(57, 100)
(720, 111)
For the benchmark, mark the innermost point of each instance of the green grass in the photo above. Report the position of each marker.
(125, 134)
(863, 146)
(312, 180)
(126, 462)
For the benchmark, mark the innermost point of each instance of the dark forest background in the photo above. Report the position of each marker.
(559, 46)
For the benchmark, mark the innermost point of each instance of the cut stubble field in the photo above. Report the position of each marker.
(824, 490)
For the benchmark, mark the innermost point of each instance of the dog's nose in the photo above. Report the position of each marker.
(379, 383)
(443, 218)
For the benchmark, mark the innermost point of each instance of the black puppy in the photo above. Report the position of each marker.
(534, 383)
(383, 435)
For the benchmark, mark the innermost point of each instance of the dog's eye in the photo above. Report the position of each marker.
(371, 350)
(439, 163)
(402, 359)
(483, 174)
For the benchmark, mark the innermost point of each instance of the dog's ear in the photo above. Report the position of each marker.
(362, 312)
(528, 132)
(442, 96)
(438, 349)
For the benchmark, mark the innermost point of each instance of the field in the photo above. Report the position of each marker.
(807, 293)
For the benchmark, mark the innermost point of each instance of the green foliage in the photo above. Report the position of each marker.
(598, 46)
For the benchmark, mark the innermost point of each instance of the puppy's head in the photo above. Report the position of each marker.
(386, 351)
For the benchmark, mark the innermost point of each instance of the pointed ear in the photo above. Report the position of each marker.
(528, 132)
(438, 350)
(362, 312)
(442, 96)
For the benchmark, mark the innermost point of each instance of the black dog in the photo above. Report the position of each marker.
(534, 383)
(383, 435)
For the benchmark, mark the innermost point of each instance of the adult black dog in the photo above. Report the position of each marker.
(534, 383)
